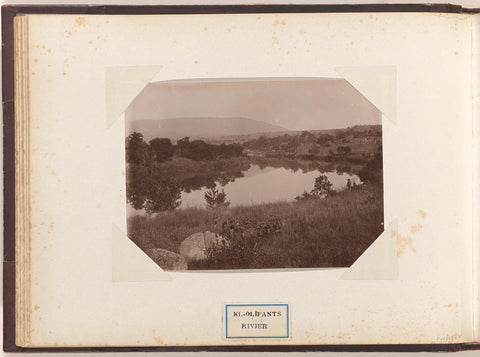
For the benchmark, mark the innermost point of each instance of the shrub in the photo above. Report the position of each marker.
(305, 196)
(245, 236)
(216, 198)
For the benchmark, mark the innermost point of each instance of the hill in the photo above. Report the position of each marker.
(195, 128)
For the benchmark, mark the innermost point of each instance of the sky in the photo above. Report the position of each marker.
(294, 104)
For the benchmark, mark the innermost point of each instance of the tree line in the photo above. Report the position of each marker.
(289, 141)
(140, 152)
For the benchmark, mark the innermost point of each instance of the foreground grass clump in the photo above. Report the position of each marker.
(329, 232)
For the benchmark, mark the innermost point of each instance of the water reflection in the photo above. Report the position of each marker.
(260, 183)
(267, 185)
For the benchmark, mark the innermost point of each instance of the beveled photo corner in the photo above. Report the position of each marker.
(277, 173)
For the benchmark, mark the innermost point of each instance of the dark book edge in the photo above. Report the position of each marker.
(8, 181)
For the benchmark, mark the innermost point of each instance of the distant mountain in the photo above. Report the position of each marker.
(195, 128)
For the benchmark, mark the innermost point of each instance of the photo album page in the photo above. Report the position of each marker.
(249, 179)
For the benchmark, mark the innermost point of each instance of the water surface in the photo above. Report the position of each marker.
(263, 185)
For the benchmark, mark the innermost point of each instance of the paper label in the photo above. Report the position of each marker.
(257, 321)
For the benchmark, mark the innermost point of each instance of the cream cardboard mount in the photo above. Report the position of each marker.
(131, 264)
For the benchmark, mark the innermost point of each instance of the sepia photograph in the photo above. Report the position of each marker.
(267, 173)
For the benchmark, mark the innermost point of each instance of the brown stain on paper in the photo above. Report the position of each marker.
(80, 21)
(275, 39)
(43, 50)
(157, 339)
(403, 242)
(416, 228)
(422, 213)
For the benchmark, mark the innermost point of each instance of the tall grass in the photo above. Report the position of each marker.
(329, 232)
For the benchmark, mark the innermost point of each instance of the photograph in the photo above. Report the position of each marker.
(254, 173)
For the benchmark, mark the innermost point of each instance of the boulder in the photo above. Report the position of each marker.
(166, 259)
(196, 246)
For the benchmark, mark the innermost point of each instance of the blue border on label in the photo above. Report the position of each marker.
(226, 321)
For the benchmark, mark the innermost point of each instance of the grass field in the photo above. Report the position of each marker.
(329, 232)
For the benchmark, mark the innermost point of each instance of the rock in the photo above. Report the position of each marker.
(166, 259)
(196, 246)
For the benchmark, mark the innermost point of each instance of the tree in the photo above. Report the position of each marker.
(162, 149)
(373, 171)
(216, 198)
(183, 146)
(200, 150)
(323, 139)
(344, 150)
(306, 137)
(261, 142)
(136, 149)
(322, 186)
(341, 134)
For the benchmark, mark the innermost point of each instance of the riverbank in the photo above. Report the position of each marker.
(328, 232)
(166, 185)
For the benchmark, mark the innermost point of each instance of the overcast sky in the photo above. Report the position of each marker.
(294, 104)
